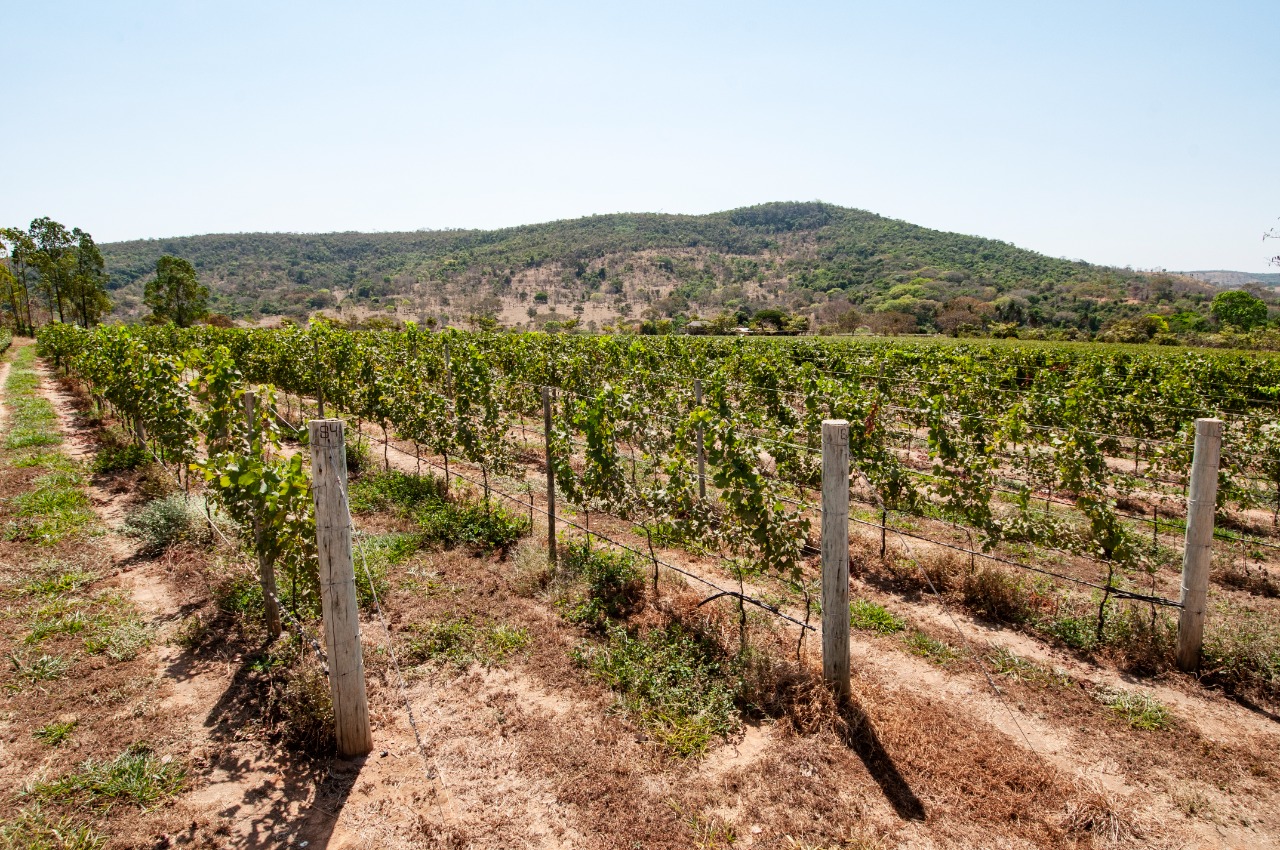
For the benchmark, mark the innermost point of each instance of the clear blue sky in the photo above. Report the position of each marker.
(1143, 134)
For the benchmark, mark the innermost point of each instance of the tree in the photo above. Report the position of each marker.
(1240, 309)
(16, 288)
(88, 291)
(176, 295)
(55, 259)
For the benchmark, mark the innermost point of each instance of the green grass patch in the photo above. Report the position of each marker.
(59, 584)
(461, 642)
(32, 829)
(939, 652)
(1140, 711)
(55, 509)
(55, 733)
(872, 617)
(680, 690)
(137, 776)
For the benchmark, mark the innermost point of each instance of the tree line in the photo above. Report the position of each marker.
(49, 273)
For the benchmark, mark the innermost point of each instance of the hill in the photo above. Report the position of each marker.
(1235, 280)
(811, 261)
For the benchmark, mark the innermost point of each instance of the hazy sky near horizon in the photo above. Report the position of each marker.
(1125, 133)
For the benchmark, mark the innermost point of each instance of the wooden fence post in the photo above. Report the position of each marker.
(702, 450)
(1198, 550)
(338, 588)
(315, 364)
(551, 476)
(266, 568)
(835, 555)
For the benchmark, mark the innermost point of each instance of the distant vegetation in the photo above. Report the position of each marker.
(779, 268)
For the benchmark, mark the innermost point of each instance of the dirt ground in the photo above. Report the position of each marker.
(529, 752)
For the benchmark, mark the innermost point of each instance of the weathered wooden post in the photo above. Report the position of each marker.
(338, 587)
(835, 555)
(702, 449)
(266, 568)
(551, 475)
(1198, 550)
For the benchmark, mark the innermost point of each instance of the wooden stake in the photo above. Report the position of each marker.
(315, 364)
(338, 587)
(835, 555)
(1198, 549)
(702, 451)
(551, 476)
(266, 568)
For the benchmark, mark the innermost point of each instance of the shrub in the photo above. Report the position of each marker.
(614, 583)
(305, 711)
(166, 522)
(385, 491)
(485, 528)
(997, 595)
(679, 689)
(119, 458)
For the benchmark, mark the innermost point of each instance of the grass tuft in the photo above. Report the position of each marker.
(869, 616)
(55, 733)
(137, 776)
(461, 642)
(1141, 711)
(32, 829)
(33, 670)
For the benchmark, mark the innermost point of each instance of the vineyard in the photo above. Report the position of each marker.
(1044, 489)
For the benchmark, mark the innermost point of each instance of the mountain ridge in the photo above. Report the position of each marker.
(808, 259)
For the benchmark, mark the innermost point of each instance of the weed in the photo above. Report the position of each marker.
(42, 668)
(936, 651)
(116, 457)
(240, 594)
(708, 833)
(55, 733)
(1075, 632)
(357, 454)
(462, 643)
(192, 634)
(373, 556)
(679, 689)
(120, 639)
(869, 616)
(165, 522)
(482, 527)
(305, 708)
(59, 584)
(136, 776)
(1242, 651)
(614, 583)
(57, 618)
(997, 595)
(531, 569)
(32, 829)
(394, 491)
(1141, 711)
(1007, 663)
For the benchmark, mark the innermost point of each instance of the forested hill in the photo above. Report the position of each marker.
(810, 260)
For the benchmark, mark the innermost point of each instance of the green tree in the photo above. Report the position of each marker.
(1240, 309)
(176, 294)
(16, 289)
(88, 292)
(55, 259)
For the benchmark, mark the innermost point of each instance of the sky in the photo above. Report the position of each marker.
(1140, 134)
